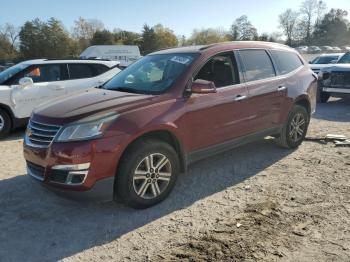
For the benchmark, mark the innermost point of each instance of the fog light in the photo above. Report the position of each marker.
(70, 174)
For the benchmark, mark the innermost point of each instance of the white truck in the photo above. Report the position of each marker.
(125, 54)
(32, 83)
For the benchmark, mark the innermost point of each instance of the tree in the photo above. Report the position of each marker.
(333, 29)
(288, 21)
(44, 39)
(207, 36)
(242, 29)
(165, 37)
(103, 37)
(127, 37)
(149, 40)
(84, 30)
(8, 41)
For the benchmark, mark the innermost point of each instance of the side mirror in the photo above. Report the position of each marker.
(310, 62)
(203, 87)
(25, 81)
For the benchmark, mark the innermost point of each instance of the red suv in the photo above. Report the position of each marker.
(131, 137)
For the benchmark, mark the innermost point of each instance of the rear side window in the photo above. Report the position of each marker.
(78, 71)
(286, 62)
(257, 64)
(100, 69)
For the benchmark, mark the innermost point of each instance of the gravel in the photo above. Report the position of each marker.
(255, 203)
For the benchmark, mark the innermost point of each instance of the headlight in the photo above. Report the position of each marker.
(87, 128)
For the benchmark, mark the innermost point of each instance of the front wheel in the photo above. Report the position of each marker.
(294, 130)
(147, 173)
(5, 124)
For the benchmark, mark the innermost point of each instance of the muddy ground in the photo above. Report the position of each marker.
(255, 203)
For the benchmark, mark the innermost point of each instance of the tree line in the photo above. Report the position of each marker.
(311, 24)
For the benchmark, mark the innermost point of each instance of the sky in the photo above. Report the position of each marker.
(182, 16)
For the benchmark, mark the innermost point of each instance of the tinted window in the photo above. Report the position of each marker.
(286, 62)
(10, 72)
(345, 59)
(100, 69)
(324, 59)
(44, 73)
(78, 71)
(257, 64)
(219, 70)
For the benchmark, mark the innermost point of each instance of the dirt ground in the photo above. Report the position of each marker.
(255, 203)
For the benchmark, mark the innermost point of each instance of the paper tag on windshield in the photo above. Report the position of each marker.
(181, 60)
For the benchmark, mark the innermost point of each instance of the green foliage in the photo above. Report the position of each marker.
(104, 37)
(44, 39)
(207, 36)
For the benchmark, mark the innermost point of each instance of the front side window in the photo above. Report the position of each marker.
(220, 70)
(345, 59)
(257, 64)
(286, 62)
(44, 73)
(153, 74)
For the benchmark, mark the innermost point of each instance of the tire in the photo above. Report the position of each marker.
(139, 186)
(288, 138)
(5, 123)
(322, 97)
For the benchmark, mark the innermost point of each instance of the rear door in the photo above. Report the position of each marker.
(266, 90)
(215, 118)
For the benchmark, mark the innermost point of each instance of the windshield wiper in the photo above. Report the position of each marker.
(125, 89)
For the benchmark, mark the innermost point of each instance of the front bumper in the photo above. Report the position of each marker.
(340, 90)
(84, 169)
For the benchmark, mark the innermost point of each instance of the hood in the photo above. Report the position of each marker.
(91, 102)
(338, 68)
(319, 66)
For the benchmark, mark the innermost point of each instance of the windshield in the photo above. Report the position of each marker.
(153, 74)
(345, 59)
(9, 72)
(324, 59)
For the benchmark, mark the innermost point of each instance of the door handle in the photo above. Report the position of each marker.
(240, 98)
(281, 88)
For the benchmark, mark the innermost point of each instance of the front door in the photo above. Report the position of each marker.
(216, 118)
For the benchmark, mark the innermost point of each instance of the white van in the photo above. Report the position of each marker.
(32, 83)
(125, 54)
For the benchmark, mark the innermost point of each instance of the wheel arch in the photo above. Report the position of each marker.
(162, 135)
(304, 102)
(8, 110)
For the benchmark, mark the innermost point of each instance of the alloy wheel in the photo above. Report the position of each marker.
(2, 122)
(297, 127)
(152, 176)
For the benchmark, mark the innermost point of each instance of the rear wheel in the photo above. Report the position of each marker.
(147, 173)
(295, 129)
(5, 123)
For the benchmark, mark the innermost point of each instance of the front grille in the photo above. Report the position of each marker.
(341, 79)
(36, 171)
(40, 134)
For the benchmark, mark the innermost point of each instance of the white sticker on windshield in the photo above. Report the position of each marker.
(181, 60)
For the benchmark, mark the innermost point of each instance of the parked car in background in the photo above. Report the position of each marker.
(302, 49)
(334, 80)
(327, 49)
(125, 54)
(337, 49)
(31, 83)
(132, 137)
(346, 48)
(314, 49)
(324, 60)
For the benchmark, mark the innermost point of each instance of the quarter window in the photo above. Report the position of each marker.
(286, 62)
(257, 64)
